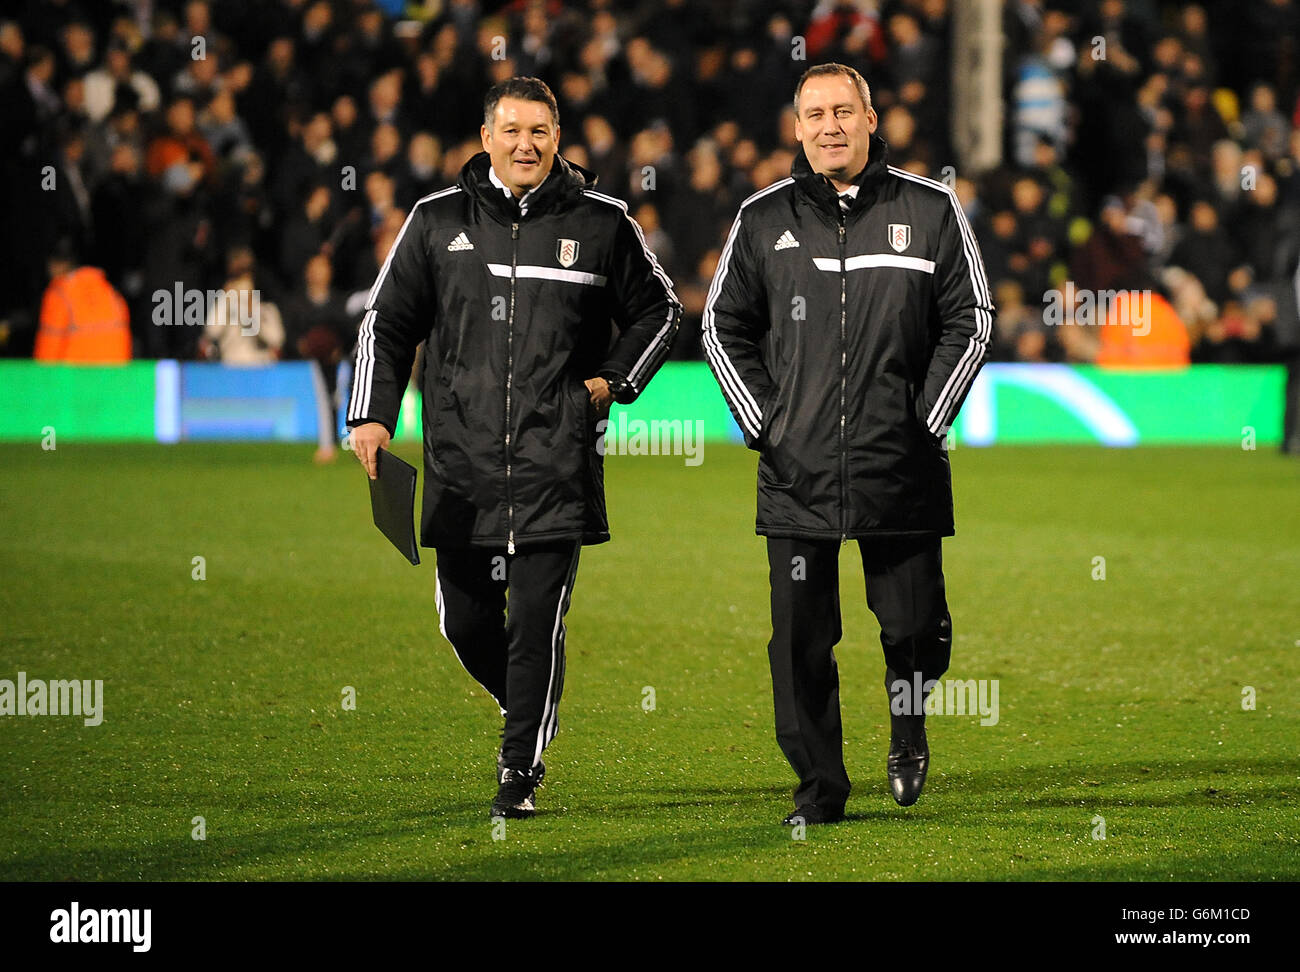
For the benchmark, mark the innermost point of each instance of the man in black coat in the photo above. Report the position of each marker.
(847, 319)
(512, 278)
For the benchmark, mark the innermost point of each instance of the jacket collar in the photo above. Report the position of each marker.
(822, 194)
(558, 190)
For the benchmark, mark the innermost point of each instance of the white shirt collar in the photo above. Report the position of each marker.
(523, 200)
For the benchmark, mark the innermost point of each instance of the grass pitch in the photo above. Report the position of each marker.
(1119, 698)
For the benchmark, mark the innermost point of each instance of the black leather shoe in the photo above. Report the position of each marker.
(812, 813)
(909, 758)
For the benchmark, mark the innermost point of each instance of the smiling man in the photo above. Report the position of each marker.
(845, 324)
(539, 303)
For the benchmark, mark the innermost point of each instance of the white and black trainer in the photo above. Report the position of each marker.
(514, 798)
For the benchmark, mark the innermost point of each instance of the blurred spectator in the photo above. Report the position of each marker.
(12, 47)
(606, 154)
(83, 319)
(1021, 334)
(1263, 126)
(319, 326)
(228, 335)
(1113, 257)
(180, 144)
(179, 251)
(349, 134)
(385, 150)
(1142, 329)
(419, 176)
(164, 54)
(309, 162)
(200, 79)
(116, 205)
(1255, 230)
(846, 31)
(307, 232)
(223, 129)
(278, 89)
(78, 49)
(1207, 252)
(321, 331)
(118, 84)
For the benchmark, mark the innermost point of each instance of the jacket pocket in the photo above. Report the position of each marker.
(771, 477)
(582, 412)
(914, 408)
(773, 469)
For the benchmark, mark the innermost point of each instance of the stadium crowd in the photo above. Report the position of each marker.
(279, 144)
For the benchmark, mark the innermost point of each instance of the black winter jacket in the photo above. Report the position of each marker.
(515, 313)
(845, 343)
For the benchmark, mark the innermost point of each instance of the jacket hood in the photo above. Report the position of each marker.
(560, 189)
(818, 188)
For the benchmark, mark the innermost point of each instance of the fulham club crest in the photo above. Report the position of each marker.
(566, 251)
(900, 235)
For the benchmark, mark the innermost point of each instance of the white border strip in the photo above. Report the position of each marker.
(959, 381)
(746, 407)
(548, 273)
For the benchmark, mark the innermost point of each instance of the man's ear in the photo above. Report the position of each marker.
(557, 136)
(798, 129)
(872, 120)
(486, 137)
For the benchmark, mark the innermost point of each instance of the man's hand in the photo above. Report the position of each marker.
(601, 396)
(367, 440)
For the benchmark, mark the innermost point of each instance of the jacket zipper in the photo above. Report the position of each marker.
(844, 455)
(510, 368)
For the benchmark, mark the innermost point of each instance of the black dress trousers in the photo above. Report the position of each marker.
(905, 591)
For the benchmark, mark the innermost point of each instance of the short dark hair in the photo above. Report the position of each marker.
(526, 89)
(824, 70)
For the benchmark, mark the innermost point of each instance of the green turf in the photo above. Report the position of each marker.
(1118, 697)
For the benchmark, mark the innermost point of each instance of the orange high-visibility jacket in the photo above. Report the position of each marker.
(1143, 331)
(83, 320)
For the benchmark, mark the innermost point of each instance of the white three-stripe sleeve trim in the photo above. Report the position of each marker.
(959, 381)
(365, 371)
(658, 347)
(747, 409)
(654, 353)
(962, 375)
(751, 415)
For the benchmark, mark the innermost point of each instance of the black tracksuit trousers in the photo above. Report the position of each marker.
(905, 591)
(515, 650)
